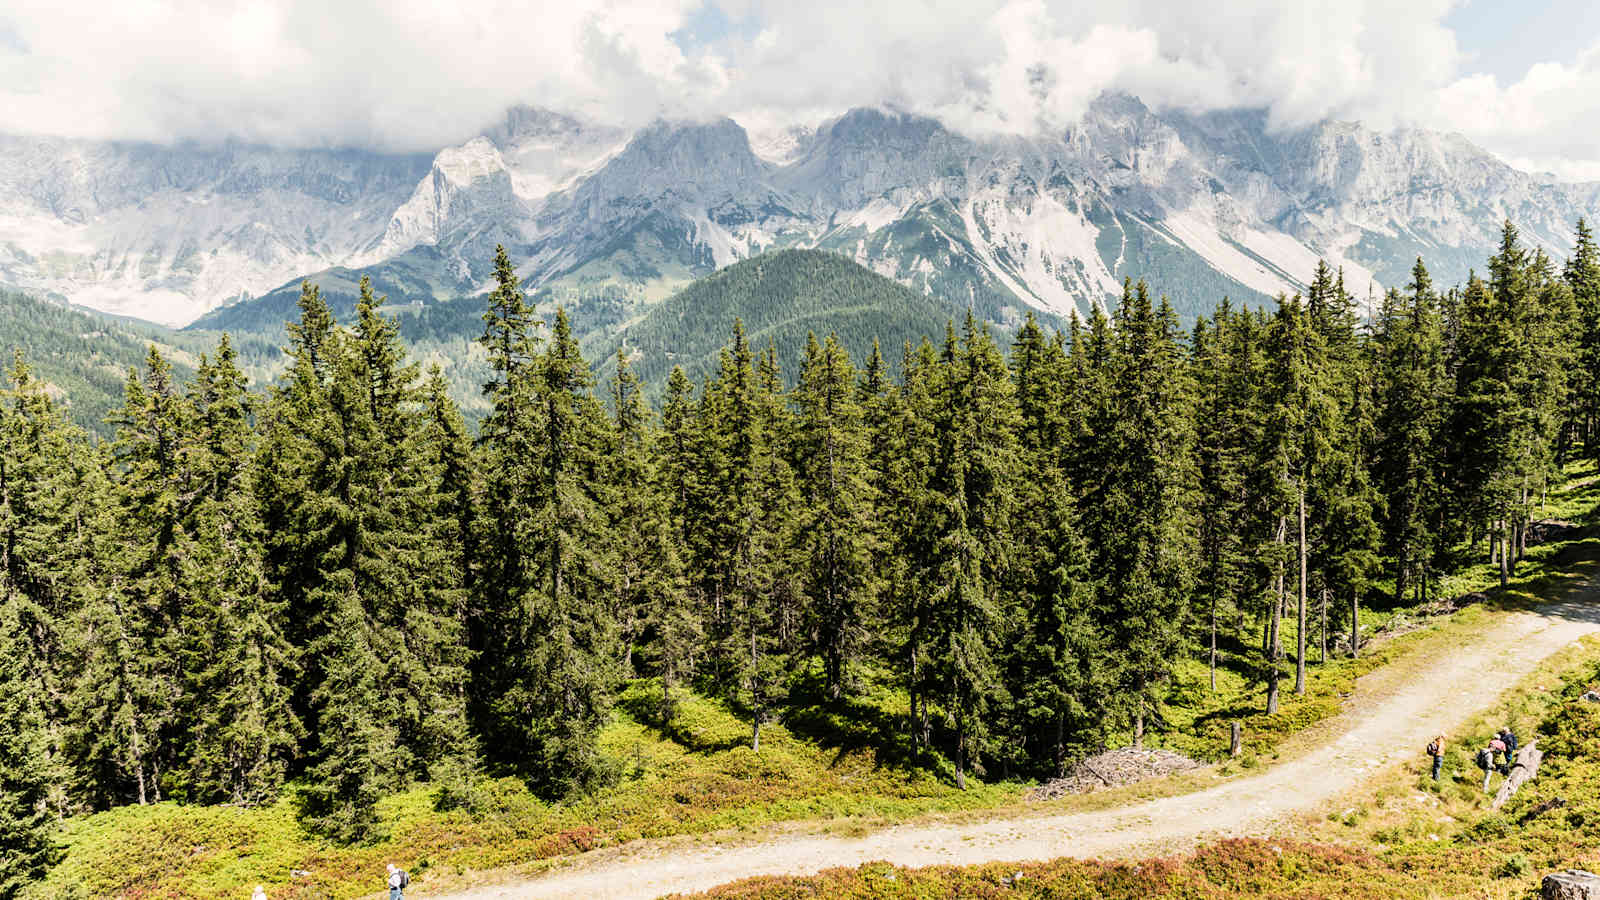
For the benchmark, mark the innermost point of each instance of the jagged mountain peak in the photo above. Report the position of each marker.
(720, 146)
(1202, 204)
(524, 123)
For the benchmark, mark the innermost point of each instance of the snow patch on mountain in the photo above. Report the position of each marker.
(876, 215)
(1197, 230)
(1048, 247)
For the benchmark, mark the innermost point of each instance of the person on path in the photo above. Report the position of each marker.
(260, 893)
(398, 882)
(1436, 750)
(1486, 763)
(1509, 739)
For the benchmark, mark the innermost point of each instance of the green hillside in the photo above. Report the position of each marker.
(780, 297)
(85, 356)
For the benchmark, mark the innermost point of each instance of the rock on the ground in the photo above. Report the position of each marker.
(1524, 769)
(1573, 884)
(1114, 768)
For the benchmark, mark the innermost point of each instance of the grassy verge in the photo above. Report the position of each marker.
(823, 769)
(1402, 836)
(701, 778)
(1199, 719)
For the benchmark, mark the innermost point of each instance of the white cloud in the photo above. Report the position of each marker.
(417, 75)
(365, 72)
(1543, 122)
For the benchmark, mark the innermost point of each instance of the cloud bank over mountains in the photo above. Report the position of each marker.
(421, 75)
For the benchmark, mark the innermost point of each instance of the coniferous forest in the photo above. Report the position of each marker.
(329, 581)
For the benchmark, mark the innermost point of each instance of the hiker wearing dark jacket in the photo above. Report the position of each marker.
(1508, 738)
(1486, 762)
(1436, 750)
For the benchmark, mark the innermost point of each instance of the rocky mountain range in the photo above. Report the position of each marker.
(1200, 205)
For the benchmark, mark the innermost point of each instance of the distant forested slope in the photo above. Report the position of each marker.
(781, 297)
(85, 356)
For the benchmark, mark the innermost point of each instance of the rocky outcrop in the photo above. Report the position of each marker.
(1523, 770)
(1573, 884)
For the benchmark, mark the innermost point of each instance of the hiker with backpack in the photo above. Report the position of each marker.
(1509, 739)
(1436, 750)
(398, 882)
(1486, 763)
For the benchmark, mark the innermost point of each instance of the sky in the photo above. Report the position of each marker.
(1520, 79)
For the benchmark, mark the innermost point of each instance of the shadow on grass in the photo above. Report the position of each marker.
(852, 724)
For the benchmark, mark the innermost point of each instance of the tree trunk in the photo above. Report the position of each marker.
(1138, 727)
(1272, 626)
(1355, 625)
(921, 728)
(1300, 634)
(666, 698)
(755, 735)
(1522, 524)
(1323, 633)
(1213, 664)
(961, 751)
(1060, 754)
(1505, 564)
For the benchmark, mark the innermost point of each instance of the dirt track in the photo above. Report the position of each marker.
(1386, 715)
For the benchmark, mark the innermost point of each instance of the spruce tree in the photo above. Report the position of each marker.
(359, 550)
(909, 434)
(1413, 394)
(244, 733)
(564, 661)
(651, 591)
(28, 847)
(969, 502)
(1582, 275)
(500, 611)
(130, 695)
(52, 493)
(1057, 670)
(1228, 365)
(836, 529)
(1143, 503)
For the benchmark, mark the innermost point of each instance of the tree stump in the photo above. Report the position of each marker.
(1523, 769)
(1234, 743)
(1573, 884)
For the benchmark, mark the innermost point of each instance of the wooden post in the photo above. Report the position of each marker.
(1234, 744)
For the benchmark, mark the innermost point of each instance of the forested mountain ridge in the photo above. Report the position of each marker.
(332, 585)
(1210, 205)
(82, 358)
(781, 297)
